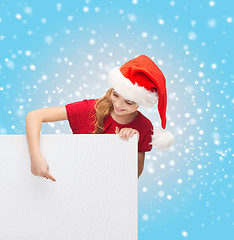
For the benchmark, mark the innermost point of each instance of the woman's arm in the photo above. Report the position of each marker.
(34, 120)
(141, 159)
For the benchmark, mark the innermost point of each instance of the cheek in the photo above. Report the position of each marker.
(132, 108)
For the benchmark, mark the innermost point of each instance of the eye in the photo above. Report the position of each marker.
(116, 95)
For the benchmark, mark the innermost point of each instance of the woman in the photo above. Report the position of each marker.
(137, 82)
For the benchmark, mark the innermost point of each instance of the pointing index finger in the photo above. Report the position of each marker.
(50, 177)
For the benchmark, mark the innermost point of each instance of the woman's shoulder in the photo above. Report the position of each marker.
(85, 101)
(83, 106)
(144, 120)
(89, 100)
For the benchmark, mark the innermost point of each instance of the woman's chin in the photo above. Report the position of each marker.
(119, 113)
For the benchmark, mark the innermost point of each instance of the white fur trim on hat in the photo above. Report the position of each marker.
(130, 91)
(162, 139)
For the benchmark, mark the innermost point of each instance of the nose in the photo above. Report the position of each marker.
(120, 103)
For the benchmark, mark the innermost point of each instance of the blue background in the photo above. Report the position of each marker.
(57, 52)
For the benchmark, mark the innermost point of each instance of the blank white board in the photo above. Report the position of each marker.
(94, 197)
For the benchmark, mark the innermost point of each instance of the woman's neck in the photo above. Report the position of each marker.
(124, 119)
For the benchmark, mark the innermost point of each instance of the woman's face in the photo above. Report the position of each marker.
(121, 105)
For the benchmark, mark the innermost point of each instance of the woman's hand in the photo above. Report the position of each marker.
(125, 133)
(40, 167)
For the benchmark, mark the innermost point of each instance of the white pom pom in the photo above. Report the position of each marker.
(162, 139)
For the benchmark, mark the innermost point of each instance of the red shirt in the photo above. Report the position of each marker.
(79, 117)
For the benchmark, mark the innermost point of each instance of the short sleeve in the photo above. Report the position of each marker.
(77, 114)
(145, 145)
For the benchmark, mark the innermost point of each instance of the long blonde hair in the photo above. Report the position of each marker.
(102, 108)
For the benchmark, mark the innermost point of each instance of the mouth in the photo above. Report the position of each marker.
(118, 109)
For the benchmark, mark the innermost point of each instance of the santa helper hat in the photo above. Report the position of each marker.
(141, 81)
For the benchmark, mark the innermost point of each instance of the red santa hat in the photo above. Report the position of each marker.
(140, 80)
